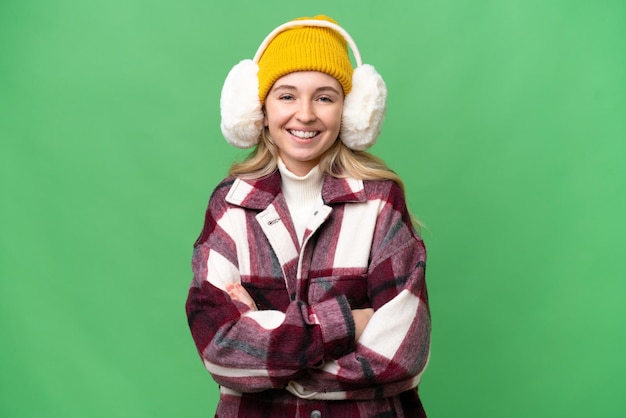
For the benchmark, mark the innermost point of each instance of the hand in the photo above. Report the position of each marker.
(237, 292)
(361, 318)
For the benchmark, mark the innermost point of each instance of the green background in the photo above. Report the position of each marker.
(506, 119)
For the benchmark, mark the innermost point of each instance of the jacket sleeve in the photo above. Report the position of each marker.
(393, 350)
(246, 350)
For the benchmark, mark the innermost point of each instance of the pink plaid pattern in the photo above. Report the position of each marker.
(296, 355)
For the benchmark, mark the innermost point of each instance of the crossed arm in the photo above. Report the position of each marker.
(361, 316)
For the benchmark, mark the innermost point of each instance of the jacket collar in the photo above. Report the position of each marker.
(260, 193)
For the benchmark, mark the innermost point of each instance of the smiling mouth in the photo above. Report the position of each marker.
(303, 134)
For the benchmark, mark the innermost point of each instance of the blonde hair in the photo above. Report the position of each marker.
(339, 161)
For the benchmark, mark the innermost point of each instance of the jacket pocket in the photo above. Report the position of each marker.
(353, 287)
(268, 293)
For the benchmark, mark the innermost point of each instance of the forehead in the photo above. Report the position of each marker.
(307, 80)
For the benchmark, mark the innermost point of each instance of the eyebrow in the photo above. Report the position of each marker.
(317, 90)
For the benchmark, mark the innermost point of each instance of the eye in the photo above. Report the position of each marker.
(286, 97)
(325, 99)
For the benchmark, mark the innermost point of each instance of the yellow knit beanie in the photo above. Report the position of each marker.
(305, 48)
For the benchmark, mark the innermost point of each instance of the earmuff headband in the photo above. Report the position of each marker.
(309, 22)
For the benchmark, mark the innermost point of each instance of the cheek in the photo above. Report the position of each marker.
(334, 119)
(273, 115)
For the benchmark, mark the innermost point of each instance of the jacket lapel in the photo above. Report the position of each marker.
(265, 196)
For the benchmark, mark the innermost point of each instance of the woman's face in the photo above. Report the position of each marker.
(303, 115)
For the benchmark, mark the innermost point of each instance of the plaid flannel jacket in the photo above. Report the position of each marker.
(296, 355)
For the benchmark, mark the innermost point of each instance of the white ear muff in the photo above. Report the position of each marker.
(240, 107)
(364, 109)
(363, 112)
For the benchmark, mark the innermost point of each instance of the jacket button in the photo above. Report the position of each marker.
(316, 414)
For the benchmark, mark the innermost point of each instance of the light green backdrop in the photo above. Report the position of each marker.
(507, 120)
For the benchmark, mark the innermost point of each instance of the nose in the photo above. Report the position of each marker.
(306, 112)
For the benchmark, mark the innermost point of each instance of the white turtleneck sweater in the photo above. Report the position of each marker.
(303, 195)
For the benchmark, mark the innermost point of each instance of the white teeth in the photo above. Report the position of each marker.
(304, 134)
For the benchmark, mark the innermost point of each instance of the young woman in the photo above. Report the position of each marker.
(309, 297)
